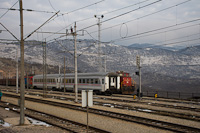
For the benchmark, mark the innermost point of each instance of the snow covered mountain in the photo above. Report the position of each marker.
(181, 64)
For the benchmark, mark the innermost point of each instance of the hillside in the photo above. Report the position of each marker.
(161, 68)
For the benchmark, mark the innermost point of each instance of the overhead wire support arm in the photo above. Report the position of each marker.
(42, 25)
(10, 32)
(63, 47)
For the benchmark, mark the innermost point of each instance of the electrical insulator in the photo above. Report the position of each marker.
(137, 73)
(138, 61)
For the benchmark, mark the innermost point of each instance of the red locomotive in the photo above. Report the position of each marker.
(127, 85)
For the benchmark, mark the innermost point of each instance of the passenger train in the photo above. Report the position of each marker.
(100, 83)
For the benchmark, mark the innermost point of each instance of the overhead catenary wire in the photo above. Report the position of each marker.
(28, 10)
(41, 26)
(177, 38)
(121, 14)
(52, 5)
(63, 46)
(125, 7)
(8, 9)
(9, 32)
(83, 7)
(117, 16)
(172, 43)
(158, 29)
(159, 32)
(93, 17)
(143, 16)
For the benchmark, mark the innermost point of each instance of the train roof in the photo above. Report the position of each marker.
(80, 74)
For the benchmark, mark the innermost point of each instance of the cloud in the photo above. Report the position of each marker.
(32, 20)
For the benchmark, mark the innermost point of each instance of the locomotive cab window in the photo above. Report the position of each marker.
(102, 81)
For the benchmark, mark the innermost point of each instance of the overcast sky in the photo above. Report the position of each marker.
(125, 22)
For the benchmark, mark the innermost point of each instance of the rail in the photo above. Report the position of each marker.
(141, 120)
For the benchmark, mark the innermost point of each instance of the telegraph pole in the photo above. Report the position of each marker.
(22, 98)
(44, 70)
(75, 64)
(99, 41)
(64, 76)
(140, 83)
(59, 69)
(27, 78)
(74, 34)
(105, 63)
(17, 70)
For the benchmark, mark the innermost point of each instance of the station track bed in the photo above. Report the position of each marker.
(62, 123)
(183, 101)
(113, 98)
(140, 120)
(133, 108)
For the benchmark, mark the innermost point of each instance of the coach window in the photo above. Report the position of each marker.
(79, 81)
(83, 80)
(72, 80)
(96, 81)
(69, 80)
(92, 81)
(88, 81)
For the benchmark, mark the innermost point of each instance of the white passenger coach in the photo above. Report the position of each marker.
(107, 83)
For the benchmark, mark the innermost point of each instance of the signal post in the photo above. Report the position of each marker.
(139, 74)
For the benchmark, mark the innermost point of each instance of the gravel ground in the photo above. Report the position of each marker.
(143, 105)
(106, 123)
(102, 122)
(25, 128)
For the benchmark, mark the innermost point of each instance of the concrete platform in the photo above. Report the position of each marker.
(16, 121)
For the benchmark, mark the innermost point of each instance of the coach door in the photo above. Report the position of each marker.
(112, 82)
(58, 82)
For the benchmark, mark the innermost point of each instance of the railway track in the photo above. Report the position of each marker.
(131, 100)
(140, 120)
(134, 108)
(160, 99)
(155, 104)
(128, 97)
(62, 123)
